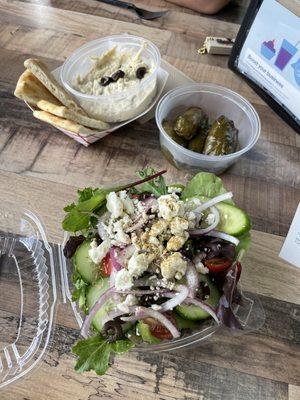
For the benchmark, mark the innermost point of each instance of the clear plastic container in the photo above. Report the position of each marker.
(120, 106)
(215, 101)
(35, 277)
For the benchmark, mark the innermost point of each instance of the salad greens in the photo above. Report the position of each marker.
(82, 218)
(94, 353)
(156, 186)
(204, 184)
(79, 292)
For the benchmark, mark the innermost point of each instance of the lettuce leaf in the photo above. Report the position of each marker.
(156, 186)
(94, 353)
(79, 292)
(79, 217)
(205, 184)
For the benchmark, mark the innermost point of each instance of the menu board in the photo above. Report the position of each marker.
(267, 54)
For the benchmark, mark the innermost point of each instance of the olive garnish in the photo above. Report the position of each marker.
(112, 331)
(105, 80)
(117, 75)
(140, 72)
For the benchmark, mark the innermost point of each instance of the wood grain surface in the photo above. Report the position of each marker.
(40, 168)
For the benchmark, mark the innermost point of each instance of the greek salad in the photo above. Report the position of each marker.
(152, 262)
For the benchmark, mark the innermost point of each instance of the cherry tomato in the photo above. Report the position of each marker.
(217, 264)
(106, 265)
(158, 330)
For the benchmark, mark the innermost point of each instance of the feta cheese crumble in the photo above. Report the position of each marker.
(97, 253)
(123, 280)
(172, 265)
(200, 267)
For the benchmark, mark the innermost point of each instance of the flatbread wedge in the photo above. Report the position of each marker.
(64, 112)
(41, 71)
(30, 89)
(63, 123)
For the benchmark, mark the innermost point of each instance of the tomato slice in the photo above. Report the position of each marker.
(157, 329)
(106, 267)
(217, 264)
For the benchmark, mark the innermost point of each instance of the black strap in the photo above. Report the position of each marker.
(118, 3)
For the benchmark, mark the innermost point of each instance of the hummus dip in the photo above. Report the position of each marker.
(117, 77)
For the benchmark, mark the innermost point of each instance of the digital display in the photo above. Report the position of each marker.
(270, 55)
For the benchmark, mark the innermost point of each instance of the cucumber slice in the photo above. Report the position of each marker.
(83, 264)
(193, 312)
(93, 295)
(144, 330)
(183, 323)
(233, 220)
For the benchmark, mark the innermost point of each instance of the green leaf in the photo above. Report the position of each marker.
(76, 221)
(85, 194)
(93, 355)
(204, 184)
(69, 207)
(80, 217)
(122, 346)
(94, 202)
(79, 293)
(157, 186)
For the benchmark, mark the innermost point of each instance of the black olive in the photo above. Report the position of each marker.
(140, 72)
(117, 75)
(105, 80)
(203, 291)
(72, 244)
(98, 239)
(112, 331)
(146, 300)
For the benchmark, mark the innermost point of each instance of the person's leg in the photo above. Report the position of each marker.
(203, 6)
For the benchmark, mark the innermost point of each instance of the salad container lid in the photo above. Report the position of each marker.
(28, 292)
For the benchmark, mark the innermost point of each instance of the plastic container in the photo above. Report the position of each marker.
(118, 106)
(35, 277)
(215, 100)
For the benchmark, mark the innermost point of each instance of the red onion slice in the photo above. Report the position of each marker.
(114, 259)
(196, 232)
(198, 303)
(99, 303)
(204, 307)
(117, 313)
(142, 292)
(148, 312)
(215, 200)
(192, 278)
(224, 236)
(177, 298)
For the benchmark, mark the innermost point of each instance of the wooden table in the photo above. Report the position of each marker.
(40, 168)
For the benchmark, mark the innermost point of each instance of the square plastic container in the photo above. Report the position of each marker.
(215, 100)
(120, 106)
(35, 276)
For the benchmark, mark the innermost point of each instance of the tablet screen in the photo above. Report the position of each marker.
(270, 55)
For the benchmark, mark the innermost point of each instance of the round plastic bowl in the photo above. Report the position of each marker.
(118, 106)
(215, 100)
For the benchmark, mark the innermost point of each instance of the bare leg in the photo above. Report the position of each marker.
(203, 6)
